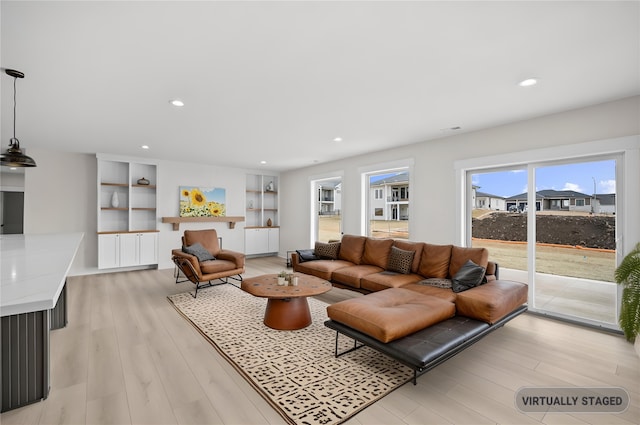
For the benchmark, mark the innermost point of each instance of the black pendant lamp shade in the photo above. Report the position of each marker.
(14, 157)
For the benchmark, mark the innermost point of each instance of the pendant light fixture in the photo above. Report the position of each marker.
(14, 156)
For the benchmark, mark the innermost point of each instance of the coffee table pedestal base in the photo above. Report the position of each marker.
(287, 314)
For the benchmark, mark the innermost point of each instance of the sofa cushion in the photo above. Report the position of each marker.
(416, 247)
(217, 266)
(327, 251)
(199, 251)
(321, 268)
(400, 260)
(376, 252)
(391, 314)
(444, 293)
(434, 261)
(468, 276)
(492, 301)
(352, 275)
(351, 248)
(387, 279)
(460, 255)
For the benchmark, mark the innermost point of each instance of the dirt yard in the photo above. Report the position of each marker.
(588, 231)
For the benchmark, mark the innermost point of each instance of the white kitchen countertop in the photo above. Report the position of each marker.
(34, 270)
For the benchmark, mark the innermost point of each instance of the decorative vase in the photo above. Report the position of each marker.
(281, 281)
(115, 202)
(269, 222)
(143, 182)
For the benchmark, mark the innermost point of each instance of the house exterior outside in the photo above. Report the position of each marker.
(389, 198)
(487, 201)
(605, 203)
(564, 200)
(329, 198)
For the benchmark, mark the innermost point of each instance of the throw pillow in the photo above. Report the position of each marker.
(199, 251)
(468, 276)
(438, 283)
(327, 250)
(306, 255)
(400, 260)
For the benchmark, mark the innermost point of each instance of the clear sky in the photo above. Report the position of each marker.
(578, 177)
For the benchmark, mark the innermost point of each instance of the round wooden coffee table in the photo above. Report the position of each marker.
(287, 306)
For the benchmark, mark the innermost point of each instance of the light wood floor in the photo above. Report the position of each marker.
(127, 357)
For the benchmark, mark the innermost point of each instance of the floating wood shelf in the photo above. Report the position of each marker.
(177, 220)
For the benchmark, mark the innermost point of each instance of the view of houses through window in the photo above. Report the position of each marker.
(328, 197)
(575, 233)
(388, 204)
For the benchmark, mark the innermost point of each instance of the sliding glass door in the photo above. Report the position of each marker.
(553, 225)
(575, 250)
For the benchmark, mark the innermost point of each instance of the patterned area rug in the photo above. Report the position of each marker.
(295, 371)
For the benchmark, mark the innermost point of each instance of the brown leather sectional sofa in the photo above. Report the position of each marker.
(411, 311)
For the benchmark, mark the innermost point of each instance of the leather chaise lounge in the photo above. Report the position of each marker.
(424, 303)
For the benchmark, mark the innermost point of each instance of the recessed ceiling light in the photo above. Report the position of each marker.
(263, 162)
(144, 147)
(13, 168)
(176, 102)
(528, 82)
(338, 139)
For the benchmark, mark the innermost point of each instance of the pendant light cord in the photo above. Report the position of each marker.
(15, 79)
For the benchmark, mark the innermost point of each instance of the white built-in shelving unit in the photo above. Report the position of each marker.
(262, 231)
(127, 229)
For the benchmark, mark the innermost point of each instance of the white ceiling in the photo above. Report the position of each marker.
(278, 81)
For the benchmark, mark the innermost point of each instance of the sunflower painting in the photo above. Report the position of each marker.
(202, 202)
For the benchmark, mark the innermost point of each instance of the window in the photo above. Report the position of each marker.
(388, 216)
(327, 214)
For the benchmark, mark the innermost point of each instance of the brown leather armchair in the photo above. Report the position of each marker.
(227, 264)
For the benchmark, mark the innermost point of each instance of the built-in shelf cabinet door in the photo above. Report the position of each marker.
(273, 237)
(262, 241)
(148, 248)
(256, 241)
(108, 251)
(127, 250)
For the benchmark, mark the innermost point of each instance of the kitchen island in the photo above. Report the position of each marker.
(33, 275)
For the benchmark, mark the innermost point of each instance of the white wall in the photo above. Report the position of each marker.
(12, 181)
(433, 174)
(60, 197)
